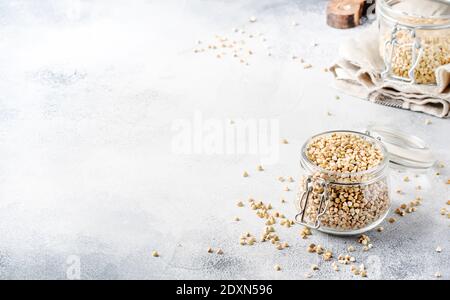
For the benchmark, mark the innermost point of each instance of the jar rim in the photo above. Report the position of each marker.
(384, 8)
(375, 171)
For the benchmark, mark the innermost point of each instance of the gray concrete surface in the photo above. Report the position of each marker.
(92, 179)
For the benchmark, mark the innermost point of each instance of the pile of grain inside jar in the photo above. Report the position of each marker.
(436, 53)
(355, 204)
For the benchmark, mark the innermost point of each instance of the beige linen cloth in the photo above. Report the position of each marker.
(358, 72)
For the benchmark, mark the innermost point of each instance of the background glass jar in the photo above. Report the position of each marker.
(413, 46)
(343, 203)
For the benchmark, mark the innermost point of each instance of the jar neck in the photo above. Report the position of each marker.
(361, 177)
(350, 178)
(386, 11)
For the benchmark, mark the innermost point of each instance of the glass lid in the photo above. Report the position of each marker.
(405, 150)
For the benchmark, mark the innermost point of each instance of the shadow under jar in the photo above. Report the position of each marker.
(344, 202)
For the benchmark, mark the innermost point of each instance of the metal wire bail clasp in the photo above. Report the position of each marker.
(305, 198)
(392, 44)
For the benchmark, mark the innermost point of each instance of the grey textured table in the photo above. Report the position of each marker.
(92, 181)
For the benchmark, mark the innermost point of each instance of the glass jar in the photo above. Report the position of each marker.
(349, 203)
(413, 46)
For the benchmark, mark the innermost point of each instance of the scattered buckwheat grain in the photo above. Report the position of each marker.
(328, 255)
(363, 239)
(305, 232)
(312, 248)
